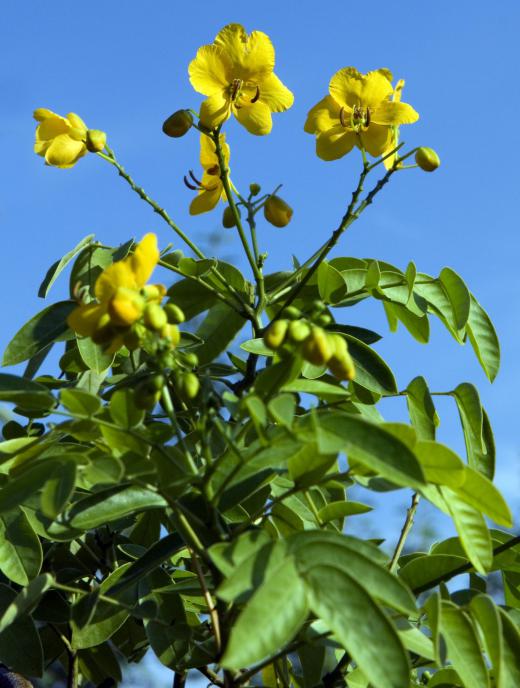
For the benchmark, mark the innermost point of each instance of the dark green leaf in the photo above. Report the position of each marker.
(58, 489)
(20, 645)
(371, 371)
(422, 411)
(60, 265)
(25, 600)
(93, 355)
(218, 329)
(20, 548)
(24, 393)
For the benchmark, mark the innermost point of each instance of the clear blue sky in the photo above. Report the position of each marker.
(123, 67)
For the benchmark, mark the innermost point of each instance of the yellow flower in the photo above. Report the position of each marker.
(394, 137)
(358, 112)
(236, 73)
(119, 303)
(210, 189)
(61, 140)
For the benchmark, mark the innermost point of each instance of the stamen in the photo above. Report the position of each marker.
(215, 170)
(367, 117)
(190, 186)
(197, 181)
(256, 96)
(342, 117)
(235, 88)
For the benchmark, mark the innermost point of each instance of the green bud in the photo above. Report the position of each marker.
(275, 334)
(254, 189)
(427, 159)
(174, 314)
(228, 217)
(340, 363)
(96, 140)
(324, 319)
(172, 333)
(316, 348)
(277, 211)
(155, 317)
(318, 305)
(191, 359)
(292, 313)
(178, 124)
(157, 381)
(298, 330)
(189, 386)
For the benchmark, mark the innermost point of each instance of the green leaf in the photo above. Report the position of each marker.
(109, 505)
(79, 402)
(366, 336)
(25, 393)
(371, 370)
(319, 388)
(196, 268)
(483, 339)
(440, 464)
(434, 293)
(370, 445)
(373, 276)
(24, 484)
(257, 346)
(422, 569)
(281, 409)
(486, 614)
(510, 674)
(458, 296)
(25, 600)
(55, 269)
(20, 548)
(338, 510)
(283, 594)
(123, 410)
(93, 355)
(472, 531)
(480, 493)
(58, 489)
(44, 328)
(20, 645)
(192, 297)
(331, 285)
(478, 436)
(218, 329)
(422, 411)
(373, 643)
(463, 646)
(417, 326)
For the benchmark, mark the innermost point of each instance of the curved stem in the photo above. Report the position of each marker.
(405, 531)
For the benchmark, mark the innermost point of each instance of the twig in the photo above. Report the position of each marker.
(212, 609)
(211, 676)
(405, 531)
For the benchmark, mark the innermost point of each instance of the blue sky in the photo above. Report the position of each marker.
(123, 67)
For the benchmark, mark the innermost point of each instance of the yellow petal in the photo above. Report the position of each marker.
(275, 95)
(123, 309)
(211, 70)
(215, 109)
(376, 139)
(144, 259)
(398, 91)
(323, 116)
(208, 156)
(393, 112)
(76, 121)
(335, 143)
(252, 56)
(205, 201)
(64, 151)
(51, 127)
(349, 87)
(43, 113)
(118, 275)
(256, 118)
(85, 318)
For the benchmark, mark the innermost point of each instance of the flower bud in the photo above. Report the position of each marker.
(316, 348)
(277, 211)
(323, 319)
(96, 140)
(340, 364)
(189, 386)
(157, 382)
(191, 360)
(427, 159)
(154, 317)
(275, 334)
(178, 124)
(125, 307)
(298, 330)
(292, 313)
(153, 292)
(254, 189)
(228, 217)
(174, 314)
(172, 333)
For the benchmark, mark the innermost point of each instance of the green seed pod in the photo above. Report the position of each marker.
(275, 334)
(153, 292)
(277, 211)
(254, 189)
(316, 348)
(340, 363)
(157, 381)
(189, 386)
(191, 359)
(427, 159)
(172, 333)
(324, 319)
(292, 313)
(155, 317)
(228, 217)
(318, 306)
(96, 140)
(174, 314)
(178, 124)
(298, 330)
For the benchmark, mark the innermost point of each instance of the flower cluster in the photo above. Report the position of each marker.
(126, 306)
(62, 141)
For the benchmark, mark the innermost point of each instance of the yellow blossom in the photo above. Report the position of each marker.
(62, 141)
(210, 188)
(394, 137)
(236, 73)
(119, 301)
(358, 112)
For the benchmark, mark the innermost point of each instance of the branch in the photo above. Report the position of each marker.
(407, 527)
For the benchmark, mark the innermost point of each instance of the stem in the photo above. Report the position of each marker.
(179, 679)
(335, 677)
(72, 676)
(212, 609)
(463, 568)
(170, 411)
(211, 676)
(405, 531)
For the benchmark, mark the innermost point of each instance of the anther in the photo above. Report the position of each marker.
(197, 181)
(342, 117)
(190, 186)
(256, 96)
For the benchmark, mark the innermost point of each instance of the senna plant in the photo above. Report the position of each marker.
(184, 482)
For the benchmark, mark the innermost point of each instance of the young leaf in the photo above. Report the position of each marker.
(483, 339)
(331, 285)
(472, 530)
(55, 269)
(440, 464)
(480, 493)
(422, 411)
(458, 296)
(480, 446)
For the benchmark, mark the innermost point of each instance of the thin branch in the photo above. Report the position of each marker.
(405, 531)
(212, 609)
